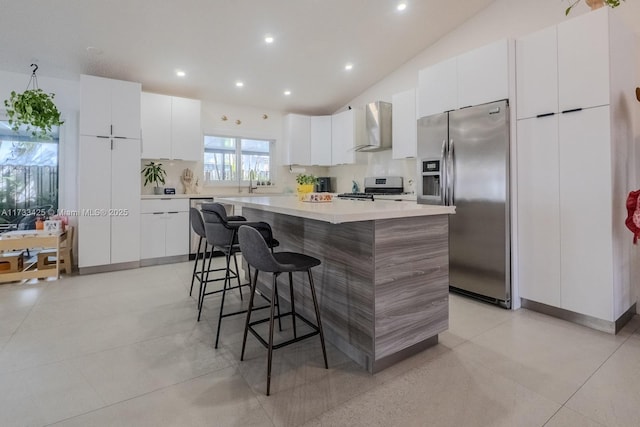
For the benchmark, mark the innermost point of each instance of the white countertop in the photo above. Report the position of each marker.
(201, 196)
(339, 211)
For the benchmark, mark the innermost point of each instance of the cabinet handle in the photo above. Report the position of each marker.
(173, 212)
(572, 110)
(105, 137)
(545, 115)
(112, 145)
(111, 129)
(158, 213)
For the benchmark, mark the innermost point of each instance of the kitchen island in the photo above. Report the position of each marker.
(383, 283)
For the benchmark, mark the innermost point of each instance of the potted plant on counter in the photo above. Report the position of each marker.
(306, 183)
(154, 173)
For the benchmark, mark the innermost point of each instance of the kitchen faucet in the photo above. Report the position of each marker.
(251, 187)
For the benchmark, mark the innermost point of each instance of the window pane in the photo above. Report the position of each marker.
(220, 159)
(28, 176)
(255, 157)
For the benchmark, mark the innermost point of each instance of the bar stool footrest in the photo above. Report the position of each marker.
(315, 331)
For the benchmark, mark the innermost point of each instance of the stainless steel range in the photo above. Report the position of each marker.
(390, 185)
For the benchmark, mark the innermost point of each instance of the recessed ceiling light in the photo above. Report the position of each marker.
(268, 39)
(287, 92)
(239, 84)
(180, 73)
(348, 67)
(401, 6)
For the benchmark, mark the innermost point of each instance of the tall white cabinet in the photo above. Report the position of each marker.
(575, 166)
(405, 127)
(109, 162)
(347, 132)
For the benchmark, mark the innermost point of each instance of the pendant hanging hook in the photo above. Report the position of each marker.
(34, 79)
(34, 69)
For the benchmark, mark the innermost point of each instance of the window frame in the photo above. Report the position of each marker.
(238, 157)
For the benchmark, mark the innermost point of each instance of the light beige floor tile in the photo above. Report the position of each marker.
(612, 394)
(17, 406)
(3, 341)
(143, 367)
(20, 294)
(218, 399)
(547, 355)
(12, 318)
(569, 418)
(469, 318)
(47, 345)
(448, 391)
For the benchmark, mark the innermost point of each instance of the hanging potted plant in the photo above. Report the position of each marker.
(594, 4)
(154, 173)
(33, 109)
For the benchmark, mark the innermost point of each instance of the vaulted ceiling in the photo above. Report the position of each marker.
(220, 42)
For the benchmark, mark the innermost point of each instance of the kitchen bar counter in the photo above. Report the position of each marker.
(338, 211)
(383, 285)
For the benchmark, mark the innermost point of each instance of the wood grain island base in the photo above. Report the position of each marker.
(383, 283)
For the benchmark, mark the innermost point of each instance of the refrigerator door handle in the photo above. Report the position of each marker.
(451, 175)
(443, 174)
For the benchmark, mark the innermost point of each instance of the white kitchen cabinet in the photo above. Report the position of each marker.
(156, 126)
(347, 132)
(537, 71)
(404, 125)
(297, 139)
(171, 128)
(438, 88)
(584, 60)
(572, 187)
(109, 107)
(164, 228)
(483, 74)
(320, 144)
(109, 203)
(539, 210)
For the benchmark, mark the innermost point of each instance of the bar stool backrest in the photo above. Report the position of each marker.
(215, 225)
(256, 251)
(196, 222)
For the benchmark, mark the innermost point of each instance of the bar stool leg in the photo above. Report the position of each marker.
(315, 306)
(293, 306)
(246, 324)
(227, 279)
(270, 349)
(204, 280)
(195, 266)
(275, 284)
(235, 261)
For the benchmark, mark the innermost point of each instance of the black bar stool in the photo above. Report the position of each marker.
(256, 251)
(222, 234)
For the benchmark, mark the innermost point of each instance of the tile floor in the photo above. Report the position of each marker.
(124, 349)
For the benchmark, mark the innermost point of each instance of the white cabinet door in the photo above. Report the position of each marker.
(404, 125)
(343, 137)
(438, 88)
(537, 73)
(125, 109)
(177, 233)
(583, 61)
(156, 126)
(297, 136)
(586, 213)
(125, 201)
(186, 134)
(94, 194)
(539, 210)
(95, 106)
(152, 235)
(483, 74)
(321, 140)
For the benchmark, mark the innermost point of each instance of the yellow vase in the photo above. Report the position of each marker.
(304, 189)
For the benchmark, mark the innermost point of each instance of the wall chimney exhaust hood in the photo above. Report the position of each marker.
(378, 127)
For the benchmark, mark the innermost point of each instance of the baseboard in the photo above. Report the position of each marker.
(109, 267)
(581, 319)
(163, 260)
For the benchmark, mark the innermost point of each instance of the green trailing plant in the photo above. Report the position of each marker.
(610, 3)
(33, 109)
(306, 179)
(153, 173)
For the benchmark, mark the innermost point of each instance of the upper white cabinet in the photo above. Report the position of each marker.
(171, 128)
(404, 125)
(109, 107)
(297, 139)
(537, 73)
(347, 132)
(476, 77)
(438, 88)
(483, 74)
(583, 61)
(320, 140)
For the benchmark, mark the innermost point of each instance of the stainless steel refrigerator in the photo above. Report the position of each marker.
(463, 160)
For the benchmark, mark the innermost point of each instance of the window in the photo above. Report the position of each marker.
(234, 160)
(28, 177)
